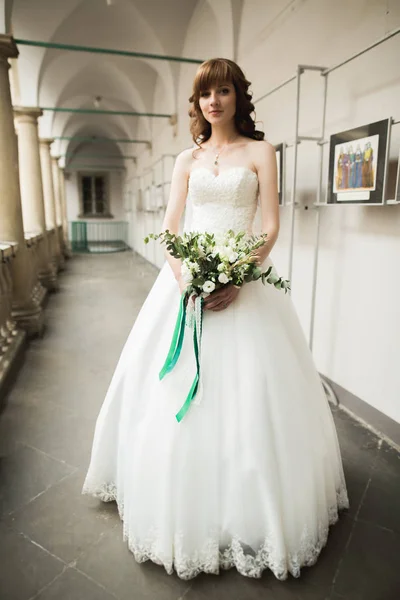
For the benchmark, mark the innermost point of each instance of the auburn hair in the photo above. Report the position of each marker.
(215, 72)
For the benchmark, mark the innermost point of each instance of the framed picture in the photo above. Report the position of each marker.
(358, 164)
(280, 163)
(397, 192)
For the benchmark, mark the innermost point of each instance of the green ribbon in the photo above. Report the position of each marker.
(176, 347)
(177, 339)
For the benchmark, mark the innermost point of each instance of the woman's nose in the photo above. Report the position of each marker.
(213, 98)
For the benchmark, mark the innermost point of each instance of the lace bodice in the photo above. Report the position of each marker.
(224, 201)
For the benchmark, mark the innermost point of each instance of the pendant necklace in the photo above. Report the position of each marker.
(217, 156)
(223, 148)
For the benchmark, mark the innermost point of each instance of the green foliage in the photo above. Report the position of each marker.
(208, 257)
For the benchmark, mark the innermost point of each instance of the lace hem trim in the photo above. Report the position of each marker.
(211, 557)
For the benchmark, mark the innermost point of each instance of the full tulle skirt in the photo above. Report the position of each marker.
(252, 476)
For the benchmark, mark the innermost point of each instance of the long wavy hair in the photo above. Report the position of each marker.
(214, 72)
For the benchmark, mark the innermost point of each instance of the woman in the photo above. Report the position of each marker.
(252, 476)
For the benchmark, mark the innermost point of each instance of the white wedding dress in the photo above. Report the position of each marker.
(252, 476)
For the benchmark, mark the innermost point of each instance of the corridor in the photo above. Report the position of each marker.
(60, 545)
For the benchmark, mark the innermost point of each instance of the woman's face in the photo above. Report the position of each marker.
(218, 103)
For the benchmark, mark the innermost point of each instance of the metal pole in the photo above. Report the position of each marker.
(312, 68)
(101, 156)
(163, 181)
(77, 138)
(361, 52)
(318, 218)
(293, 199)
(153, 192)
(329, 70)
(101, 111)
(95, 50)
(385, 177)
(275, 89)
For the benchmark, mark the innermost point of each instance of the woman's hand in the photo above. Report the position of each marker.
(182, 285)
(222, 298)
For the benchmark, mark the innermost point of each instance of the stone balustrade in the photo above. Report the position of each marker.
(34, 242)
(33, 233)
(12, 339)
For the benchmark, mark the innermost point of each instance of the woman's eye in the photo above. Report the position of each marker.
(225, 90)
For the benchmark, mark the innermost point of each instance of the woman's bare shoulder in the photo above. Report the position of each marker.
(186, 158)
(261, 152)
(261, 145)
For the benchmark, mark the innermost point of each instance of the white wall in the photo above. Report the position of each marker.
(357, 327)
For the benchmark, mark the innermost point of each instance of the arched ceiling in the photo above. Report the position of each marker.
(59, 78)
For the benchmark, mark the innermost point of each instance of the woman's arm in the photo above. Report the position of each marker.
(264, 158)
(176, 205)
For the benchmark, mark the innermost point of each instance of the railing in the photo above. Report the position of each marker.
(99, 236)
(10, 335)
(33, 242)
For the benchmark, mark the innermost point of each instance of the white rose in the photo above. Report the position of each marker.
(209, 287)
(194, 267)
(215, 251)
(186, 274)
(233, 256)
(187, 277)
(223, 278)
(221, 267)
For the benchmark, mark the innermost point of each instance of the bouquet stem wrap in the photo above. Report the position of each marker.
(177, 343)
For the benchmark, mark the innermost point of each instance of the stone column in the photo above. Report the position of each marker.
(49, 201)
(67, 249)
(58, 207)
(32, 189)
(25, 309)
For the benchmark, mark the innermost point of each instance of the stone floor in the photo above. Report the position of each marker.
(56, 544)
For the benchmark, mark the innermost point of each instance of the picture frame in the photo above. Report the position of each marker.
(397, 192)
(358, 161)
(280, 150)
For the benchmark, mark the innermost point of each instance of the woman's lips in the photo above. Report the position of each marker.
(215, 112)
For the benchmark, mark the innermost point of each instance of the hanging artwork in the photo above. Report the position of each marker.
(358, 164)
(280, 163)
(397, 193)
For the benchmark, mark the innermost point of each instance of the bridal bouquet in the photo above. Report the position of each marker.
(209, 261)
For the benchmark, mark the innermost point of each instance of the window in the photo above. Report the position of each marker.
(94, 195)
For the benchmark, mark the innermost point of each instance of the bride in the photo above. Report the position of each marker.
(252, 477)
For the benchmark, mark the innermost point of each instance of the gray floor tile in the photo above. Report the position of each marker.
(379, 505)
(230, 584)
(72, 585)
(111, 563)
(51, 428)
(370, 567)
(63, 521)
(359, 448)
(24, 567)
(24, 474)
(57, 431)
(322, 573)
(53, 407)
